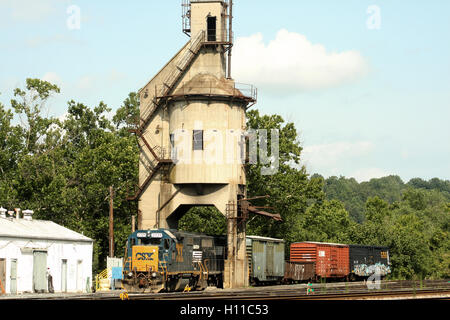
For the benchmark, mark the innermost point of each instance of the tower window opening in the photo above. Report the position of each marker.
(198, 140)
(211, 26)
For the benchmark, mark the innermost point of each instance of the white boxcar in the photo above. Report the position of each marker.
(265, 258)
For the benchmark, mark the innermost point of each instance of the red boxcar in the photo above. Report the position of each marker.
(331, 259)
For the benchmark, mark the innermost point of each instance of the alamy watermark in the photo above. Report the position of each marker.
(373, 22)
(374, 281)
(73, 21)
(217, 147)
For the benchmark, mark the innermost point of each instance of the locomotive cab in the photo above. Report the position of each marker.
(147, 254)
(170, 260)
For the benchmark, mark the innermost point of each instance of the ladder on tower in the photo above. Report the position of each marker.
(172, 78)
(161, 158)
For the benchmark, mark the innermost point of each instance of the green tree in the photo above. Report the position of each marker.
(63, 169)
(326, 222)
(207, 220)
(10, 150)
(29, 105)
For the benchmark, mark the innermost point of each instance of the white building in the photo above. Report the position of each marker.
(29, 247)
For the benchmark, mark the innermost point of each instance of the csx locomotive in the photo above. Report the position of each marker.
(171, 260)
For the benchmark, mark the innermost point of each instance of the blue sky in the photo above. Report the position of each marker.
(382, 106)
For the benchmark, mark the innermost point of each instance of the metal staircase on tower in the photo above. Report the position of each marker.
(161, 157)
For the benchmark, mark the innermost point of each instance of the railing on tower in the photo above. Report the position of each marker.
(186, 16)
(212, 88)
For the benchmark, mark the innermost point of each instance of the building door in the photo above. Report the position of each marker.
(2, 275)
(13, 277)
(80, 275)
(40, 271)
(211, 24)
(64, 275)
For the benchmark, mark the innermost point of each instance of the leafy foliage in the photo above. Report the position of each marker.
(62, 169)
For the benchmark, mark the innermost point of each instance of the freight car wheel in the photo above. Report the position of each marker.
(172, 284)
(156, 287)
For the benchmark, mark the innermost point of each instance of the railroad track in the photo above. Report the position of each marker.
(396, 294)
(329, 291)
(429, 294)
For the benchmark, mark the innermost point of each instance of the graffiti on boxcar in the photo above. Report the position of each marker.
(365, 270)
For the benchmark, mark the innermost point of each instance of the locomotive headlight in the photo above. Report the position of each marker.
(154, 274)
(130, 274)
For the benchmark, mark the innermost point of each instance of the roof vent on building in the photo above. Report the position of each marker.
(27, 215)
(3, 212)
(17, 210)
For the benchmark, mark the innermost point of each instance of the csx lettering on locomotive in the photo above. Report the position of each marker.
(144, 256)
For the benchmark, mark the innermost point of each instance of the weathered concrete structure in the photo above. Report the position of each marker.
(191, 133)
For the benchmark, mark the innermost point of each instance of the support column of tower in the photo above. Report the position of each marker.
(236, 264)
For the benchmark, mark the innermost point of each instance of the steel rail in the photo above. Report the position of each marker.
(331, 291)
(445, 294)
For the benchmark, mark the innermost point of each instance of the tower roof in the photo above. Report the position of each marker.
(210, 85)
(207, 84)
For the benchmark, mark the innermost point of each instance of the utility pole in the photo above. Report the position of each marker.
(111, 222)
(133, 223)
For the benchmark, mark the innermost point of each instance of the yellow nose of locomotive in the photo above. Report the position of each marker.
(145, 258)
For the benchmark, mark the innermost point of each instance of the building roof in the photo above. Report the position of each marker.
(324, 243)
(265, 239)
(38, 229)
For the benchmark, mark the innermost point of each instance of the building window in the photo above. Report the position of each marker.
(198, 140)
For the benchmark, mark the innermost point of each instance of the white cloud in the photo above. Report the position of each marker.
(326, 156)
(35, 41)
(292, 62)
(100, 81)
(53, 78)
(87, 82)
(341, 159)
(366, 174)
(29, 10)
(63, 117)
